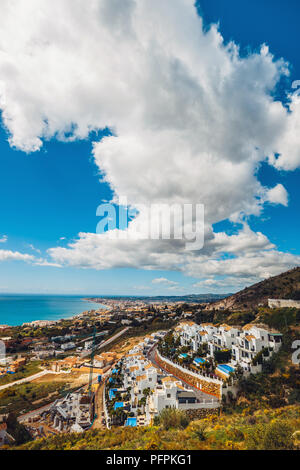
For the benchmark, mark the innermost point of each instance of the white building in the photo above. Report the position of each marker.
(164, 396)
(142, 382)
(244, 343)
(280, 303)
(171, 394)
(88, 345)
(251, 341)
(67, 346)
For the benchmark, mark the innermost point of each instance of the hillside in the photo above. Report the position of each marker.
(283, 286)
(263, 429)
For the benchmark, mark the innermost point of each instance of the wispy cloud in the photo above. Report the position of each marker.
(166, 282)
(43, 262)
(33, 248)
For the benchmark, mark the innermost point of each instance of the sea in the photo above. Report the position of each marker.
(18, 309)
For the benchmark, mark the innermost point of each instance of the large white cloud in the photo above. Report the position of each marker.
(191, 119)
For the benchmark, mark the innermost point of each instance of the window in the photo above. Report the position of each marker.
(168, 395)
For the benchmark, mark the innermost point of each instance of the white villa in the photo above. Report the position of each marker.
(244, 342)
(172, 394)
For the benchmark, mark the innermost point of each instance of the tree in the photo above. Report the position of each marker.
(222, 356)
(17, 430)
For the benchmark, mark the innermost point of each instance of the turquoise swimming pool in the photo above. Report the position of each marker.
(199, 360)
(131, 422)
(225, 368)
(118, 404)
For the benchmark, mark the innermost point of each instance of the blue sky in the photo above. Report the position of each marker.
(51, 195)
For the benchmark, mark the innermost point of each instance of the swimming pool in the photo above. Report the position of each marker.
(111, 393)
(225, 368)
(131, 422)
(119, 404)
(199, 360)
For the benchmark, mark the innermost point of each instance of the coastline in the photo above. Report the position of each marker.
(48, 320)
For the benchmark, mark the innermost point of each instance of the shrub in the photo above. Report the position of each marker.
(199, 431)
(173, 418)
(278, 436)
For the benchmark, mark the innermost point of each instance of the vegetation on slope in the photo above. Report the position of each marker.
(264, 429)
(28, 396)
(31, 368)
(283, 286)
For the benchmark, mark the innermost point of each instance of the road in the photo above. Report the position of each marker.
(30, 378)
(105, 343)
(99, 407)
(33, 413)
(90, 338)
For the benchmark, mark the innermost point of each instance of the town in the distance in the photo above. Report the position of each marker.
(215, 370)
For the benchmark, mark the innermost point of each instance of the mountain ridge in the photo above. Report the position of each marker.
(283, 286)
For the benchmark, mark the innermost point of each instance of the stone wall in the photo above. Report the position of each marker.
(210, 386)
(202, 413)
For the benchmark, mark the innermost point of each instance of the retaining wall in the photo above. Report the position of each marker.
(205, 384)
(202, 413)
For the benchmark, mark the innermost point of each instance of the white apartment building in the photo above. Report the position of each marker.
(188, 333)
(244, 343)
(251, 341)
(194, 335)
(147, 380)
(171, 394)
(223, 337)
(164, 396)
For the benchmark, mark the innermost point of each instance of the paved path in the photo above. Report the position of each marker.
(27, 379)
(105, 343)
